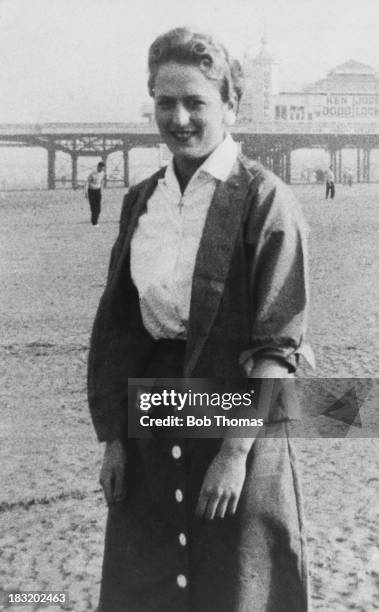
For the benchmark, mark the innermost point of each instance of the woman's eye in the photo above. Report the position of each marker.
(195, 104)
(165, 104)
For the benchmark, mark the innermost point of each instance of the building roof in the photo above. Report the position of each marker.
(349, 77)
(352, 67)
(264, 56)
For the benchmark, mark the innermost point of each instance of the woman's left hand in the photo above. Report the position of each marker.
(222, 485)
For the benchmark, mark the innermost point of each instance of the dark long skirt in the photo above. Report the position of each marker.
(160, 558)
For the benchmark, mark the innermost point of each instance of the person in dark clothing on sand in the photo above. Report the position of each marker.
(93, 191)
(330, 184)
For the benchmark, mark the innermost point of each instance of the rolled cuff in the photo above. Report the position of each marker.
(287, 356)
(285, 404)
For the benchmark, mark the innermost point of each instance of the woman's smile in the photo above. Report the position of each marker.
(183, 135)
(189, 111)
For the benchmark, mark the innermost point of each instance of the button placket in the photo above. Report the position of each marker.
(176, 451)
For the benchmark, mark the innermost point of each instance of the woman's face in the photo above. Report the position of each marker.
(189, 111)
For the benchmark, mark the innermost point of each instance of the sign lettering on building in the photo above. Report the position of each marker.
(351, 106)
(266, 94)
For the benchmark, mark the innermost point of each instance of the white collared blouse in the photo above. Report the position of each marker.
(165, 243)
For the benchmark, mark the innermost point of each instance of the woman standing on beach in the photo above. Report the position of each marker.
(206, 279)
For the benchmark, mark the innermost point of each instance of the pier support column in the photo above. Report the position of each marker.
(366, 165)
(276, 164)
(359, 173)
(339, 166)
(51, 152)
(126, 165)
(287, 174)
(74, 170)
(333, 161)
(104, 159)
(283, 166)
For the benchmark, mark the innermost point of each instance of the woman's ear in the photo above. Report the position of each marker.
(230, 117)
(231, 112)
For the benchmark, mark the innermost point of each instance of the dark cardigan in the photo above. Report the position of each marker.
(249, 292)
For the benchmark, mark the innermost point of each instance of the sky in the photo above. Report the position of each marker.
(85, 60)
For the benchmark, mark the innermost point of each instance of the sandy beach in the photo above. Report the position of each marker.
(52, 513)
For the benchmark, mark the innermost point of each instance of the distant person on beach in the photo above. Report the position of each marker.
(330, 186)
(93, 191)
(349, 176)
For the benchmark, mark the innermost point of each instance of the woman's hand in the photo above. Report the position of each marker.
(112, 473)
(222, 484)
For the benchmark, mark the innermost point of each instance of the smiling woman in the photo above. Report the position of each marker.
(196, 88)
(207, 279)
(190, 114)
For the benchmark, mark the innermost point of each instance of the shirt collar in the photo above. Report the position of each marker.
(221, 161)
(218, 165)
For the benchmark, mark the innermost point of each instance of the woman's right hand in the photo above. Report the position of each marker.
(112, 473)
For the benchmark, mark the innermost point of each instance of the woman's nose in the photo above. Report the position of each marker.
(180, 115)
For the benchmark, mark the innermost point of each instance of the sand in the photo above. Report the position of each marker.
(52, 514)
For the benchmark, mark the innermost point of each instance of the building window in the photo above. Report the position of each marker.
(297, 113)
(280, 113)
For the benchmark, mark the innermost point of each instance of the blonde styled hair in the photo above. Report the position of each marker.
(185, 46)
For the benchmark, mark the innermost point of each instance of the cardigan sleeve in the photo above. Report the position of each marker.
(278, 275)
(107, 409)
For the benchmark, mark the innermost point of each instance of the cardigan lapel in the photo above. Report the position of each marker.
(138, 208)
(213, 260)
